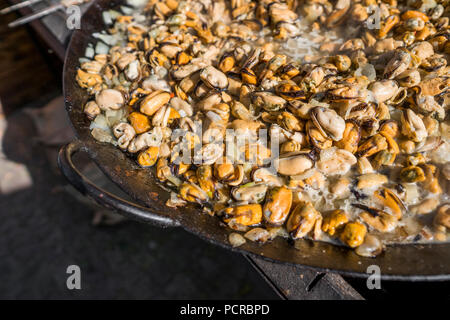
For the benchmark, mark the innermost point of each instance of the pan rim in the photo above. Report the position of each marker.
(91, 144)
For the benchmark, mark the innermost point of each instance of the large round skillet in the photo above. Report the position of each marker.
(402, 262)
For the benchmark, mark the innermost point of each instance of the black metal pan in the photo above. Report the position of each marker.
(399, 262)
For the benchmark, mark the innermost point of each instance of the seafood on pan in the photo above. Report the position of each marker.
(299, 119)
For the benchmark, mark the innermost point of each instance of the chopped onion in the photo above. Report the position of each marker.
(114, 14)
(83, 60)
(137, 3)
(441, 154)
(236, 239)
(101, 135)
(126, 10)
(106, 38)
(177, 182)
(101, 48)
(411, 193)
(298, 136)
(89, 52)
(139, 18)
(175, 201)
(107, 19)
(132, 70)
(161, 72)
(100, 122)
(114, 116)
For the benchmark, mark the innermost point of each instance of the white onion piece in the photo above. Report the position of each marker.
(89, 52)
(174, 180)
(101, 135)
(137, 3)
(175, 201)
(106, 38)
(101, 48)
(100, 122)
(107, 19)
(213, 116)
(114, 14)
(139, 18)
(83, 60)
(441, 154)
(126, 10)
(114, 116)
(411, 193)
(298, 137)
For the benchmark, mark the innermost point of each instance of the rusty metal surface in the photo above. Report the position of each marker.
(412, 262)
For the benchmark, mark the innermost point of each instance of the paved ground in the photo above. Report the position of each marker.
(44, 229)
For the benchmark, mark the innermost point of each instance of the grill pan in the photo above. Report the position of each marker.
(411, 262)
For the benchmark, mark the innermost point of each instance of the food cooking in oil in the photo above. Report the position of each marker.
(343, 119)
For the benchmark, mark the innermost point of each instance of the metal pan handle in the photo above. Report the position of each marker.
(102, 197)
